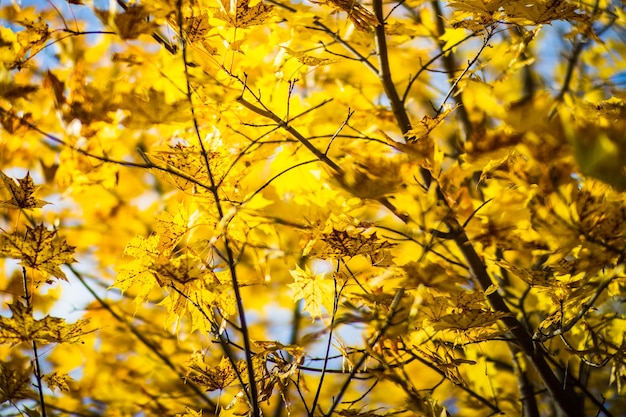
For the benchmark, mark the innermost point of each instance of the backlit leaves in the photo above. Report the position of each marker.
(151, 107)
(23, 327)
(187, 160)
(40, 249)
(134, 21)
(449, 169)
(316, 290)
(14, 382)
(57, 381)
(309, 60)
(213, 378)
(21, 193)
(347, 241)
(152, 257)
(244, 15)
(519, 11)
(596, 133)
(361, 18)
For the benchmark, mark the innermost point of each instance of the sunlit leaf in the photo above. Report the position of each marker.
(131, 23)
(21, 193)
(317, 291)
(40, 249)
(23, 327)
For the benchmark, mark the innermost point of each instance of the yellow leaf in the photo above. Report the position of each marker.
(23, 327)
(361, 18)
(152, 107)
(190, 413)
(21, 193)
(239, 406)
(9, 47)
(15, 383)
(309, 60)
(244, 15)
(139, 271)
(34, 38)
(492, 288)
(315, 290)
(213, 378)
(59, 381)
(452, 37)
(39, 249)
(519, 11)
(130, 24)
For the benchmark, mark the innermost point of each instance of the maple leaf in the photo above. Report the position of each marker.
(140, 270)
(152, 107)
(244, 15)
(349, 242)
(184, 159)
(14, 382)
(308, 60)
(40, 249)
(213, 378)
(21, 193)
(468, 319)
(23, 327)
(56, 380)
(35, 36)
(130, 24)
(361, 18)
(519, 11)
(314, 289)
(12, 123)
(372, 177)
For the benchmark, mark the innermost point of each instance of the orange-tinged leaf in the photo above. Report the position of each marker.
(21, 193)
(40, 249)
(316, 291)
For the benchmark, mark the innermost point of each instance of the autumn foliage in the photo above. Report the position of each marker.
(313, 208)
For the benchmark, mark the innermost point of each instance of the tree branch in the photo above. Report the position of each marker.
(564, 396)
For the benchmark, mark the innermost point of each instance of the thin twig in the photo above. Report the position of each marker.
(251, 390)
(357, 366)
(36, 363)
(565, 398)
(141, 337)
